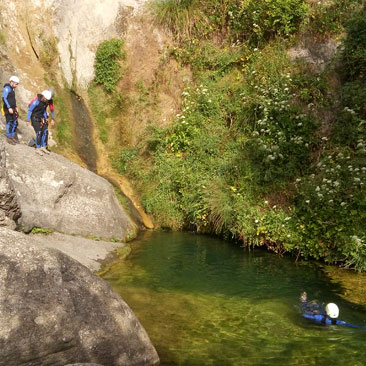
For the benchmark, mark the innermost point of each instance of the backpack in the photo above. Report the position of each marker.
(30, 103)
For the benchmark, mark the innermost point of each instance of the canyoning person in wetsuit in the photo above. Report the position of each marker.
(38, 115)
(52, 111)
(10, 109)
(311, 310)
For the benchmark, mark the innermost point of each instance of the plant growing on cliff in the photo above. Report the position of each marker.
(107, 63)
(48, 52)
(2, 38)
(259, 21)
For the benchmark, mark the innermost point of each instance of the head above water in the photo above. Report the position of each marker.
(332, 310)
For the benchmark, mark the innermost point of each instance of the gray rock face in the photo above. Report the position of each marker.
(9, 208)
(86, 251)
(316, 54)
(56, 193)
(81, 26)
(54, 311)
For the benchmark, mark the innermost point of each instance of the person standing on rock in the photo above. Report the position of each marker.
(52, 111)
(10, 109)
(38, 115)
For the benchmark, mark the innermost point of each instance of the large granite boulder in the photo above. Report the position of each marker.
(56, 193)
(55, 311)
(9, 207)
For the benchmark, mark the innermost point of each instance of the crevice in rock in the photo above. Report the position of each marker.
(31, 43)
(63, 193)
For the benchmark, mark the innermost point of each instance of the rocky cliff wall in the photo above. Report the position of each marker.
(76, 27)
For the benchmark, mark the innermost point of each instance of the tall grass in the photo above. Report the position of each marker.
(178, 16)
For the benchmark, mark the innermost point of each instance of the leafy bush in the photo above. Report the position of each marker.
(259, 21)
(124, 159)
(331, 205)
(107, 67)
(48, 52)
(282, 136)
(179, 16)
(354, 54)
(328, 17)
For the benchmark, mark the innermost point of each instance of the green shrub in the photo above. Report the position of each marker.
(48, 52)
(2, 38)
(124, 159)
(331, 205)
(259, 21)
(282, 135)
(354, 54)
(179, 16)
(107, 67)
(329, 17)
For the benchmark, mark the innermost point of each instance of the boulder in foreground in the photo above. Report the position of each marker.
(55, 311)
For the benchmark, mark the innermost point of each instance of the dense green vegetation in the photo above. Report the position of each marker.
(107, 66)
(266, 150)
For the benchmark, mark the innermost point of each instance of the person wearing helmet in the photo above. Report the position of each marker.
(50, 104)
(10, 109)
(38, 115)
(52, 111)
(314, 312)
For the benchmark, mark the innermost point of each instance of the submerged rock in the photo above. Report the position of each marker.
(54, 311)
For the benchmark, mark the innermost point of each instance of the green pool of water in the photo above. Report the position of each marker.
(206, 302)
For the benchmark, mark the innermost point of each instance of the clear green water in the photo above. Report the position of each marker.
(206, 302)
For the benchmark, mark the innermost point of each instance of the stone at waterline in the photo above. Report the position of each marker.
(53, 310)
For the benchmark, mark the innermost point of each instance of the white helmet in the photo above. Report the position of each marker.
(47, 94)
(14, 78)
(52, 92)
(332, 310)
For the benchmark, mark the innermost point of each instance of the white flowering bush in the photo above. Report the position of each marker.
(261, 20)
(199, 104)
(331, 204)
(282, 134)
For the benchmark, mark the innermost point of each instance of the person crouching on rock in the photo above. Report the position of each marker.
(10, 109)
(38, 115)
